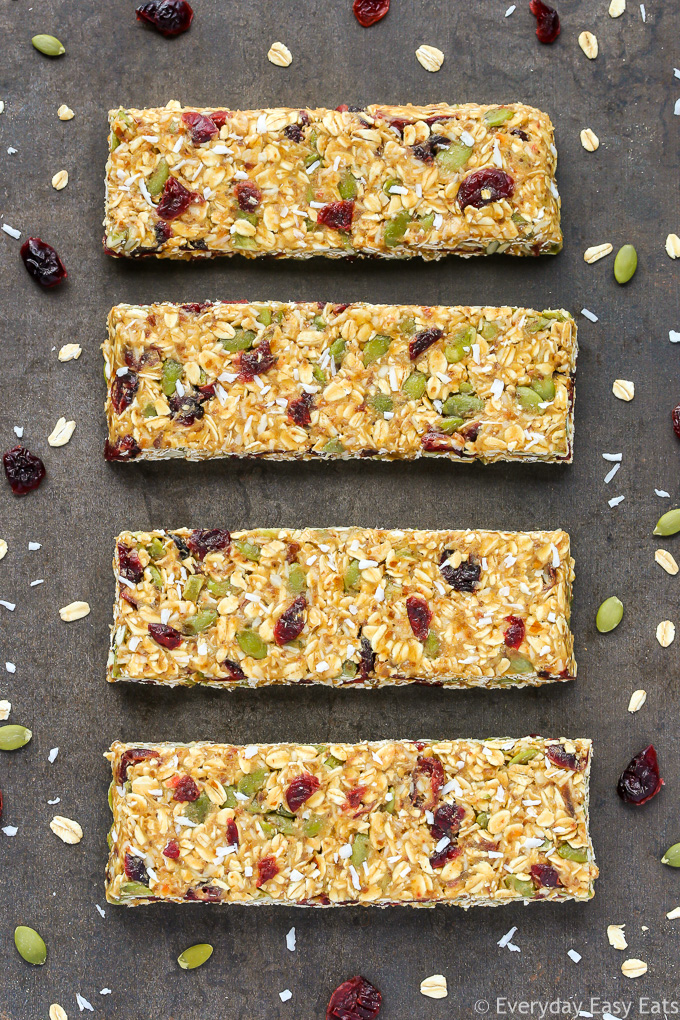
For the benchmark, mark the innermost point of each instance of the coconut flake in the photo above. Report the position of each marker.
(663, 493)
(673, 334)
(10, 667)
(589, 315)
(285, 995)
(511, 10)
(12, 231)
(573, 955)
(100, 910)
(502, 942)
(10, 830)
(616, 500)
(612, 456)
(83, 1003)
(610, 474)
(52, 756)
(290, 940)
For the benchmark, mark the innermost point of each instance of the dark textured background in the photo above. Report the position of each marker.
(625, 192)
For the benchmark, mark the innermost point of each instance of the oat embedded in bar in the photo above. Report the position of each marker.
(305, 380)
(342, 607)
(393, 822)
(391, 181)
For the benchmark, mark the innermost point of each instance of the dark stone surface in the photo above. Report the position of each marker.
(626, 192)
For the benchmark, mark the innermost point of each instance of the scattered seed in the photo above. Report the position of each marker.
(57, 1013)
(48, 45)
(74, 611)
(12, 737)
(672, 856)
(434, 987)
(195, 956)
(637, 700)
(633, 968)
(429, 57)
(3, 548)
(70, 352)
(66, 829)
(597, 252)
(625, 264)
(616, 937)
(60, 180)
(665, 633)
(673, 246)
(609, 615)
(280, 55)
(673, 914)
(588, 43)
(61, 433)
(623, 389)
(666, 561)
(668, 523)
(30, 946)
(589, 140)
(616, 8)
(65, 112)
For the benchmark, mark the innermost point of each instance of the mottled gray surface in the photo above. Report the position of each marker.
(627, 191)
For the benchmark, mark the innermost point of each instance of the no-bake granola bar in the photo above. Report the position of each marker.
(391, 181)
(342, 607)
(463, 822)
(286, 380)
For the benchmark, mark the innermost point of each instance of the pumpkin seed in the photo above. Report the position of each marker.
(230, 800)
(669, 523)
(192, 587)
(482, 820)
(462, 405)
(313, 826)
(523, 756)
(494, 118)
(198, 810)
(625, 263)
(254, 781)
(454, 157)
(352, 575)
(333, 446)
(375, 348)
(30, 946)
(331, 762)
(347, 186)
(609, 615)
(573, 853)
(337, 350)
(200, 622)
(545, 388)
(250, 550)
(12, 737)
(155, 549)
(415, 385)
(49, 45)
(156, 181)
(250, 643)
(392, 182)
(218, 589)
(134, 890)
(395, 228)
(172, 370)
(518, 663)
(297, 579)
(672, 856)
(195, 956)
(528, 398)
(431, 646)
(525, 889)
(360, 847)
(381, 403)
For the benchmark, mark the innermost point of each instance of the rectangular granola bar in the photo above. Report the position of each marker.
(302, 380)
(392, 181)
(463, 822)
(342, 606)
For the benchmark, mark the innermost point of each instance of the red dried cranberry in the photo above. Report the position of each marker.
(169, 17)
(248, 195)
(220, 117)
(135, 870)
(299, 410)
(442, 857)
(175, 199)
(356, 999)
(257, 361)
(266, 869)
(422, 341)
(202, 541)
(234, 670)
(640, 780)
(129, 564)
(426, 151)
(42, 262)
(23, 469)
(337, 215)
(430, 770)
(496, 182)
(547, 21)
(163, 231)
(125, 448)
(186, 789)
(544, 875)
(419, 616)
(514, 635)
(520, 134)
(123, 391)
(301, 789)
(564, 759)
(367, 659)
(202, 128)
(447, 819)
(125, 594)
(188, 408)
(354, 796)
(291, 622)
(171, 849)
(471, 431)
(196, 307)
(164, 635)
(294, 132)
(435, 441)
(464, 577)
(133, 756)
(367, 12)
(207, 392)
(675, 418)
(232, 833)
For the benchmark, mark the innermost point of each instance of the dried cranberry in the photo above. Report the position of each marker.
(496, 182)
(419, 616)
(292, 551)
(564, 759)
(42, 262)
(337, 215)
(202, 541)
(171, 849)
(135, 870)
(356, 999)
(175, 199)
(367, 659)
(301, 789)
(125, 448)
(169, 17)
(547, 21)
(447, 819)
(163, 231)
(367, 12)
(186, 789)
(428, 769)
(464, 577)
(248, 195)
(257, 361)
(435, 441)
(294, 132)
(164, 635)
(204, 893)
(354, 796)
(514, 635)
(266, 869)
(471, 431)
(23, 469)
(232, 833)
(640, 780)
(196, 307)
(129, 564)
(299, 410)
(291, 622)
(188, 408)
(544, 875)
(220, 117)
(421, 341)
(441, 857)
(520, 134)
(125, 594)
(234, 670)
(123, 391)
(426, 151)
(675, 418)
(202, 128)
(133, 756)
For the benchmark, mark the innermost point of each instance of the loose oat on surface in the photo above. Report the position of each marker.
(588, 43)
(295, 183)
(310, 380)
(429, 57)
(616, 8)
(372, 607)
(66, 829)
(74, 611)
(3, 548)
(70, 352)
(435, 987)
(597, 252)
(673, 246)
(665, 633)
(589, 140)
(280, 55)
(61, 433)
(60, 180)
(616, 937)
(666, 560)
(623, 389)
(465, 822)
(637, 700)
(65, 112)
(633, 968)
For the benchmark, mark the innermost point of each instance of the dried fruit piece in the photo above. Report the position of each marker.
(640, 780)
(423, 341)
(563, 759)
(24, 471)
(447, 821)
(129, 564)
(169, 17)
(202, 128)
(185, 789)
(175, 199)
(171, 850)
(428, 772)
(248, 196)
(419, 616)
(544, 876)
(357, 998)
(514, 635)
(133, 756)
(291, 622)
(42, 262)
(164, 635)
(464, 577)
(123, 391)
(202, 541)
(300, 410)
(367, 12)
(124, 448)
(484, 186)
(300, 790)
(257, 361)
(267, 868)
(609, 615)
(337, 215)
(30, 946)
(135, 870)
(195, 956)
(547, 21)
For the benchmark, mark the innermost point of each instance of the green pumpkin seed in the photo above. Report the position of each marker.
(459, 345)
(535, 325)
(431, 645)
(609, 615)
(347, 186)
(331, 762)
(150, 411)
(337, 350)
(494, 118)
(396, 228)
(523, 756)
(155, 549)
(250, 643)
(319, 374)
(248, 549)
(545, 388)
(254, 781)
(381, 403)
(156, 182)
(242, 340)
(12, 737)
(195, 956)
(625, 264)
(390, 805)
(218, 589)
(349, 669)
(518, 663)
(172, 370)
(198, 810)
(453, 158)
(392, 182)
(352, 575)
(525, 889)
(572, 853)
(297, 579)
(462, 405)
(319, 322)
(489, 330)
(426, 222)
(672, 856)
(449, 425)
(192, 587)
(415, 386)
(313, 826)
(239, 241)
(133, 891)
(30, 946)
(281, 824)
(375, 348)
(528, 398)
(482, 820)
(114, 142)
(408, 326)
(265, 317)
(200, 622)
(156, 577)
(49, 45)
(333, 446)
(230, 800)
(668, 524)
(360, 847)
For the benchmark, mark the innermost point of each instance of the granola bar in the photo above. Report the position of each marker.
(392, 181)
(463, 822)
(342, 606)
(303, 380)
